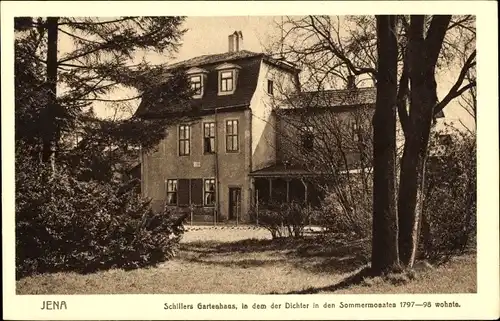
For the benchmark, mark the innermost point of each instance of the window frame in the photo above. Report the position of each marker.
(210, 136)
(230, 136)
(206, 193)
(222, 78)
(270, 85)
(184, 140)
(354, 128)
(307, 131)
(199, 91)
(172, 192)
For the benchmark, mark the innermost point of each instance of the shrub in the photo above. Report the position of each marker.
(347, 211)
(285, 220)
(449, 213)
(66, 224)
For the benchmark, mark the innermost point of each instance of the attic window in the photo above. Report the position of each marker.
(197, 78)
(197, 85)
(228, 76)
(226, 81)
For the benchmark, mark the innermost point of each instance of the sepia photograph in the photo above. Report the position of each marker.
(246, 154)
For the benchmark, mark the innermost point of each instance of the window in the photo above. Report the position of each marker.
(228, 75)
(270, 87)
(209, 138)
(171, 192)
(226, 81)
(209, 192)
(354, 131)
(197, 85)
(184, 140)
(308, 138)
(232, 136)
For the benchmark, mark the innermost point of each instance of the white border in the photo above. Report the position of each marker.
(484, 304)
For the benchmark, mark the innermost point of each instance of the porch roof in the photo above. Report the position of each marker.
(281, 170)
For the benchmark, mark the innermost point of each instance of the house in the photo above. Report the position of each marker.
(240, 148)
(205, 161)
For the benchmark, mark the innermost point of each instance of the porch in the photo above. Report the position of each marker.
(285, 184)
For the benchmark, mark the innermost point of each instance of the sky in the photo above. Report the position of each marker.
(209, 35)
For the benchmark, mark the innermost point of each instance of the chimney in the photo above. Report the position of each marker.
(240, 41)
(351, 82)
(235, 41)
(231, 43)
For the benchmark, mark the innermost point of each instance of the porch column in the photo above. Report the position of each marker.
(270, 189)
(305, 190)
(288, 190)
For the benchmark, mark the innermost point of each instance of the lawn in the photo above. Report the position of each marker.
(245, 260)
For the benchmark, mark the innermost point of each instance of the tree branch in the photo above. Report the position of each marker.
(455, 90)
(76, 37)
(435, 36)
(331, 46)
(94, 23)
(112, 100)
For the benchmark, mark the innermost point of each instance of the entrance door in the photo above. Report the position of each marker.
(234, 203)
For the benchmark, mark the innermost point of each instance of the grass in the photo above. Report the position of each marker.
(247, 261)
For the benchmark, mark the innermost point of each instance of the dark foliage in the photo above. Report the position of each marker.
(450, 202)
(80, 211)
(66, 224)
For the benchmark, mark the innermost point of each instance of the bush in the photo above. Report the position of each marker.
(285, 220)
(449, 213)
(66, 224)
(347, 214)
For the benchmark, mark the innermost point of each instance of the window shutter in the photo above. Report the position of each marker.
(183, 192)
(197, 191)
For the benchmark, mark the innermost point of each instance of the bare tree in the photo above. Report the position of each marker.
(336, 145)
(332, 48)
(385, 254)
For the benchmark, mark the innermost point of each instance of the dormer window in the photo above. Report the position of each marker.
(228, 78)
(197, 79)
(226, 81)
(197, 85)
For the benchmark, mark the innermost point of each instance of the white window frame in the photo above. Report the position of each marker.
(184, 139)
(237, 134)
(168, 191)
(209, 122)
(202, 74)
(200, 90)
(225, 68)
(205, 192)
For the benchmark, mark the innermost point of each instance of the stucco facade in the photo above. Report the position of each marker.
(229, 169)
(251, 106)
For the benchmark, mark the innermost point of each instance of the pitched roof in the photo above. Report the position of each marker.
(214, 58)
(341, 98)
(338, 98)
(245, 86)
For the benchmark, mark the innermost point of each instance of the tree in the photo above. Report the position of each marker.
(99, 58)
(80, 215)
(385, 220)
(422, 45)
(337, 145)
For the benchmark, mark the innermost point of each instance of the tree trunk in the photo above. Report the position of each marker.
(50, 122)
(423, 98)
(385, 221)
